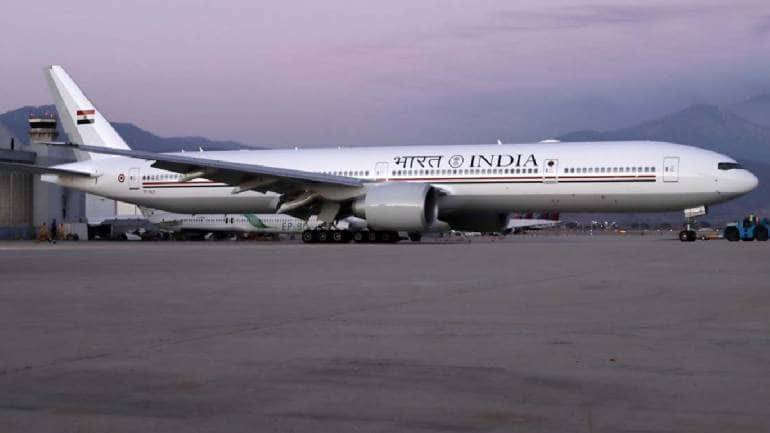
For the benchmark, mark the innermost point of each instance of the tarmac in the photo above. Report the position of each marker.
(526, 334)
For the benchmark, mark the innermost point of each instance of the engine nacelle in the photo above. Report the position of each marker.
(404, 206)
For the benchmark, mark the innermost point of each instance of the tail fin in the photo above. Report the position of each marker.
(150, 214)
(80, 119)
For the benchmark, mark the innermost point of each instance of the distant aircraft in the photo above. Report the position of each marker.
(414, 189)
(532, 222)
(283, 224)
(224, 223)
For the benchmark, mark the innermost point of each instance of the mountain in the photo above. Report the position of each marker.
(15, 121)
(706, 126)
(710, 127)
(756, 109)
(140, 139)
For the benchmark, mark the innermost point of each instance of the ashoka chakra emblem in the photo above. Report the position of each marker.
(456, 161)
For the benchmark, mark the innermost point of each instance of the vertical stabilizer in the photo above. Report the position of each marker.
(82, 122)
(146, 212)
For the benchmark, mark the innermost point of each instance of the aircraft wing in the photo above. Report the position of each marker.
(242, 176)
(39, 169)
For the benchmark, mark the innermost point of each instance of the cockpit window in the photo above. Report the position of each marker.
(728, 165)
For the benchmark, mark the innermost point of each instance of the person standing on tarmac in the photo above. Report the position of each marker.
(42, 233)
(54, 226)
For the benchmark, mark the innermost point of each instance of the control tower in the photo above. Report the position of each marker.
(42, 128)
(51, 201)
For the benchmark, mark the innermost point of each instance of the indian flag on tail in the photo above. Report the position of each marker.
(85, 117)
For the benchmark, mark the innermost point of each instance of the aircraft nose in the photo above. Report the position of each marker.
(748, 182)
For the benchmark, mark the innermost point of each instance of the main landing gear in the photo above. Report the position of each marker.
(345, 236)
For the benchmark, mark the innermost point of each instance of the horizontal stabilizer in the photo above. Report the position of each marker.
(39, 169)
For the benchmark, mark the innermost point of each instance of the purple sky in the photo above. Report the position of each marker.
(327, 73)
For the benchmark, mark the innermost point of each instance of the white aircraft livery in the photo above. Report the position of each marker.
(400, 188)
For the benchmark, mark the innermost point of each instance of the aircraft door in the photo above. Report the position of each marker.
(381, 170)
(134, 179)
(550, 171)
(671, 169)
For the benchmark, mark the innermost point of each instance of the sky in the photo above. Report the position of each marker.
(312, 73)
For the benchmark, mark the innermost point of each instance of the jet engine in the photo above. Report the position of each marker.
(409, 207)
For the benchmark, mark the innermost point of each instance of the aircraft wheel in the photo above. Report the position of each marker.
(371, 236)
(415, 237)
(308, 237)
(324, 236)
(340, 236)
(687, 236)
(761, 234)
(732, 234)
(358, 237)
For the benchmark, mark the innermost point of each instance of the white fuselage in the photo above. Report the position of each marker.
(575, 177)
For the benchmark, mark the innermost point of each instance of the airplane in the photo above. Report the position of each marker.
(532, 222)
(415, 189)
(272, 224)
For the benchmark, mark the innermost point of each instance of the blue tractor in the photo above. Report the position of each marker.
(750, 229)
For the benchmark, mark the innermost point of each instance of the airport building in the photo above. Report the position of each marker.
(26, 202)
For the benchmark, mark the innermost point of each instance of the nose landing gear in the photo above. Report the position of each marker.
(688, 233)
